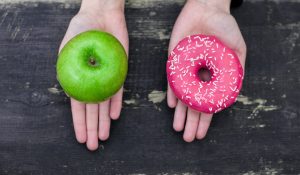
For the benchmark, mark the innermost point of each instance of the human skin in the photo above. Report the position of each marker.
(92, 121)
(209, 17)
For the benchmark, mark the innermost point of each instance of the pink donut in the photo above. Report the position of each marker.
(198, 52)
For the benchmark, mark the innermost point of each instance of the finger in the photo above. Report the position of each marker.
(92, 126)
(69, 35)
(175, 38)
(104, 120)
(203, 126)
(171, 98)
(78, 114)
(63, 43)
(179, 116)
(191, 125)
(74, 29)
(116, 105)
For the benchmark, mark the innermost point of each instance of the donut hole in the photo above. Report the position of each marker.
(204, 74)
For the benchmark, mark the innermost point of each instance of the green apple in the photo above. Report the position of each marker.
(92, 66)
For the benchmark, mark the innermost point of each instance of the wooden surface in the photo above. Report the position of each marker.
(260, 134)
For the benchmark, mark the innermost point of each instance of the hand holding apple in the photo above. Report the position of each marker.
(92, 120)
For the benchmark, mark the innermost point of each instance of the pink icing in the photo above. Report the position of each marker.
(201, 51)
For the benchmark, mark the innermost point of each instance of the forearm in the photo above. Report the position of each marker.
(223, 5)
(96, 6)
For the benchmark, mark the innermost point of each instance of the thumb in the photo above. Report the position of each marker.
(174, 41)
(68, 36)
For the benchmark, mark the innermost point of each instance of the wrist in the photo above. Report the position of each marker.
(101, 6)
(223, 5)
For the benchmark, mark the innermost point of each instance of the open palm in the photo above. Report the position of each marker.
(92, 121)
(200, 18)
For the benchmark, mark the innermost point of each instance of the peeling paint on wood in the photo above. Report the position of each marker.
(156, 96)
(260, 104)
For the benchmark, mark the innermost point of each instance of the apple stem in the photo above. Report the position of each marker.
(92, 61)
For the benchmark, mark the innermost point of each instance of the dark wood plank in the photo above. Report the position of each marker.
(258, 135)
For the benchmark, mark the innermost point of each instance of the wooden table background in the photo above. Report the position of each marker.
(260, 134)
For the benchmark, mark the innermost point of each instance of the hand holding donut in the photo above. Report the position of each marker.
(209, 18)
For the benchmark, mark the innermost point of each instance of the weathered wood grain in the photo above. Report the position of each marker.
(260, 134)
